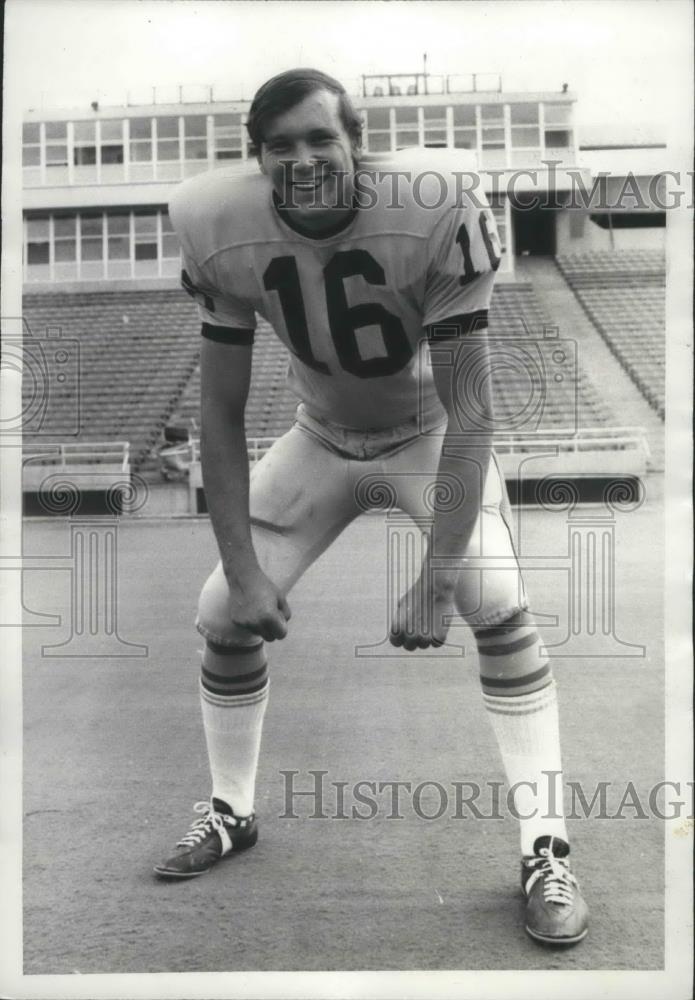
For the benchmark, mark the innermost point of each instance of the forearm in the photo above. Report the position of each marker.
(459, 488)
(463, 377)
(225, 467)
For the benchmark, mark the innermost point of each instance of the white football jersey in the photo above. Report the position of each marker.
(350, 305)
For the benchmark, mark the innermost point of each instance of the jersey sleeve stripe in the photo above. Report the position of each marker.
(227, 334)
(457, 326)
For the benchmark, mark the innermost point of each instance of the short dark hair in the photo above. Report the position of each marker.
(284, 91)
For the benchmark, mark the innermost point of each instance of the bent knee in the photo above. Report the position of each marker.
(490, 596)
(214, 617)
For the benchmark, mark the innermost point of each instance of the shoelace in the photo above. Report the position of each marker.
(558, 880)
(204, 826)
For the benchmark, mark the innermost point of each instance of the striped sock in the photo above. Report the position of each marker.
(520, 697)
(233, 696)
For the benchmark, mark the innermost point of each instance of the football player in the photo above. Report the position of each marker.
(359, 273)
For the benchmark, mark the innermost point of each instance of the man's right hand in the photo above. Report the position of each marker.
(259, 607)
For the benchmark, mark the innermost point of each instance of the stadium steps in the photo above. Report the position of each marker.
(623, 293)
(139, 355)
(529, 401)
(271, 406)
(609, 378)
(137, 351)
(516, 316)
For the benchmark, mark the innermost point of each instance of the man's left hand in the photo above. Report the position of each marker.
(423, 615)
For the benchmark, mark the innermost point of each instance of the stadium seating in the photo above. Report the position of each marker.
(270, 407)
(623, 294)
(522, 403)
(137, 351)
(139, 370)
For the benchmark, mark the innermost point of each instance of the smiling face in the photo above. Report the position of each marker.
(309, 157)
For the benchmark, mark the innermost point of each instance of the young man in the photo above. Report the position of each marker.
(359, 281)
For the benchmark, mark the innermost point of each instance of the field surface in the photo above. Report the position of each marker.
(114, 758)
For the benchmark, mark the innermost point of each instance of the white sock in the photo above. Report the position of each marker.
(521, 700)
(527, 731)
(233, 697)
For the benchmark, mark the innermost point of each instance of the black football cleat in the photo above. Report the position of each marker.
(212, 837)
(556, 913)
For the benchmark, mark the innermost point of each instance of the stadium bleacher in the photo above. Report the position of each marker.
(139, 370)
(270, 407)
(623, 293)
(516, 319)
(516, 316)
(137, 352)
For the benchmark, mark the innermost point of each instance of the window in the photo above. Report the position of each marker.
(379, 130)
(168, 149)
(492, 114)
(38, 246)
(111, 137)
(378, 118)
(92, 245)
(493, 138)
(118, 228)
(167, 138)
(407, 138)
(526, 137)
(31, 153)
(195, 130)
(111, 155)
(464, 114)
(523, 114)
(195, 144)
(140, 139)
(118, 245)
(170, 243)
(558, 114)
(95, 245)
(145, 230)
(465, 139)
(171, 253)
(465, 131)
(227, 137)
(85, 143)
(84, 153)
(64, 247)
(141, 149)
(435, 126)
(407, 132)
(379, 142)
(557, 139)
(57, 152)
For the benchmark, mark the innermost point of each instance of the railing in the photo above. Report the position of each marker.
(79, 453)
(586, 439)
(221, 91)
(564, 439)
